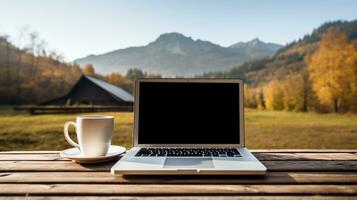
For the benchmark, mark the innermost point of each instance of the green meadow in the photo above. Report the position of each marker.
(264, 130)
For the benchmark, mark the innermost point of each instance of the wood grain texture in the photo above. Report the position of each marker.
(293, 174)
(53, 166)
(29, 152)
(304, 150)
(38, 166)
(263, 156)
(105, 177)
(30, 157)
(252, 150)
(305, 156)
(176, 189)
(228, 197)
(323, 166)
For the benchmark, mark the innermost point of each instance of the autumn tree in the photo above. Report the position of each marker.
(117, 79)
(332, 70)
(259, 98)
(250, 100)
(29, 75)
(31, 48)
(295, 89)
(88, 70)
(273, 95)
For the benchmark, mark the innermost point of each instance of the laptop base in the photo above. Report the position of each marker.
(130, 164)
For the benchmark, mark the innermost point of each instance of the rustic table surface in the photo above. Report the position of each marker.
(292, 174)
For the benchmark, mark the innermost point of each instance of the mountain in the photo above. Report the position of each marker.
(288, 59)
(256, 48)
(173, 54)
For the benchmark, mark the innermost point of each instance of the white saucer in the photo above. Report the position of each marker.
(75, 155)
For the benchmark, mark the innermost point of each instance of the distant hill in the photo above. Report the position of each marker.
(256, 48)
(288, 59)
(173, 54)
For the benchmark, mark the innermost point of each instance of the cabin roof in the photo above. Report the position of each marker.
(112, 89)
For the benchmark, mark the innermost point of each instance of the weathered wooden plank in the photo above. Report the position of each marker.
(175, 189)
(311, 165)
(43, 166)
(38, 166)
(303, 150)
(106, 177)
(250, 197)
(29, 152)
(252, 150)
(260, 156)
(30, 157)
(305, 156)
(53, 176)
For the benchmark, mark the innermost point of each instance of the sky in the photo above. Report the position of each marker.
(77, 28)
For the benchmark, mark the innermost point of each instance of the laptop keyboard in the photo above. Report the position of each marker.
(188, 152)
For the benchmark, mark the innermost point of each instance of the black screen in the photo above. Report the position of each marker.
(188, 113)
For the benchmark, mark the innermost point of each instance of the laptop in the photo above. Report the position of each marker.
(189, 126)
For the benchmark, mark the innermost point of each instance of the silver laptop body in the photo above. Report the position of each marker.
(189, 126)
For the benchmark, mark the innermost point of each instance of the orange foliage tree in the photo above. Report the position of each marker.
(273, 95)
(88, 70)
(332, 71)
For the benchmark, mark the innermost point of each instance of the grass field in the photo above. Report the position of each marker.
(265, 129)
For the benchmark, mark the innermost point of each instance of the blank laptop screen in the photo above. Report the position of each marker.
(188, 113)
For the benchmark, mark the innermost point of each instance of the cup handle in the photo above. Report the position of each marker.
(66, 135)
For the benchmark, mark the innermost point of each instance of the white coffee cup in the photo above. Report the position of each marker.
(94, 134)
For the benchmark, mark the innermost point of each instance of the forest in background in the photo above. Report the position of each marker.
(32, 74)
(315, 73)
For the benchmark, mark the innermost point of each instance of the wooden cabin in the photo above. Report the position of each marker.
(92, 91)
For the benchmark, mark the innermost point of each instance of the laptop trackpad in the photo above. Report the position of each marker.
(190, 163)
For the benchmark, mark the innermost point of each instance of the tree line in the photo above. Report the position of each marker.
(31, 74)
(327, 83)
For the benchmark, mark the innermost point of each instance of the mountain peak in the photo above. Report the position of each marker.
(175, 54)
(173, 36)
(256, 45)
(255, 41)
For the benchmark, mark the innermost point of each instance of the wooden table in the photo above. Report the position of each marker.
(293, 174)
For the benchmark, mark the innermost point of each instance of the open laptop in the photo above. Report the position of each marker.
(188, 126)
